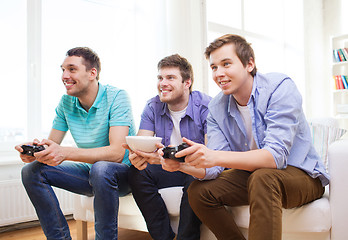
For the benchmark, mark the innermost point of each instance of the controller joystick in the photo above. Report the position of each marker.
(169, 152)
(31, 149)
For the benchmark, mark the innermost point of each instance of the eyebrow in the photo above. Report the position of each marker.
(69, 65)
(223, 60)
(169, 75)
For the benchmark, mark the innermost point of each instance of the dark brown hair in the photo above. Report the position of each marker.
(184, 66)
(243, 49)
(90, 58)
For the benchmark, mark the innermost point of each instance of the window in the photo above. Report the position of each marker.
(123, 33)
(273, 27)
(13, 93)
(112, 29)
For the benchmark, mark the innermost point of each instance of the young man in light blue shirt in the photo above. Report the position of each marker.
(99, 118)
(257, 131)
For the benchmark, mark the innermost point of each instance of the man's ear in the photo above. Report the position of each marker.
(188, 83)
(93, 74)
(251, 65)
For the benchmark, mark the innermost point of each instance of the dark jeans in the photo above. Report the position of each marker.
(105, 180)
(145, 185)
(266, 190)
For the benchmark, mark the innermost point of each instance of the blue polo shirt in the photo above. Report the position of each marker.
(91, 129)
(193, 125)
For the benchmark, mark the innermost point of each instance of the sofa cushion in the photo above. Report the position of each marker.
(312, 217)
(127, 205)
(172, 198)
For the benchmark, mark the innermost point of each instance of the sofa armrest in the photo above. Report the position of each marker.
(337, 155)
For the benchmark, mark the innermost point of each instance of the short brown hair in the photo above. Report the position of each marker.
(243, 49)
(184, 66)
(90, 58)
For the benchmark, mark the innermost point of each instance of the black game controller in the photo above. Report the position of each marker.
(31, 149)
(169, 152)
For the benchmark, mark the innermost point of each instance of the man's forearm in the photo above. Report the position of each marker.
(93, 155)
(195, 172)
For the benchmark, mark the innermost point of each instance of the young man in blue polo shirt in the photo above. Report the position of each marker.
(99, 118)
(258, 131)
(176, 112)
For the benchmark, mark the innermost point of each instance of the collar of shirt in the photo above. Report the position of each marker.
(189, 109)
(97, 101)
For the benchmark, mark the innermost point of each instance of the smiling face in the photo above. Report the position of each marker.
(76, 78)
(229, 73)
(171, 88)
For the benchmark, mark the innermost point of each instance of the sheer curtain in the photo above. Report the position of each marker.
(36, 35)
(274, 28)
(123, 33)
(129, 36)
(13, 61)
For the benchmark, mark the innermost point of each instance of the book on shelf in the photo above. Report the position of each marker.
(344, 81)
(341, 82)
(345, 53)
(335, 56)
(340, 55)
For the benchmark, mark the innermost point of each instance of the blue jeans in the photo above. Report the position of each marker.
(106, 181)
(145, 185)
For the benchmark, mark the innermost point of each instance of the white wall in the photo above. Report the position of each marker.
(323, 19)
(186, 35)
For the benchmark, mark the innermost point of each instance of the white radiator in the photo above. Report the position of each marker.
(15, 206)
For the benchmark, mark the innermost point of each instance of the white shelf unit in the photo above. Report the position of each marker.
(340, 97)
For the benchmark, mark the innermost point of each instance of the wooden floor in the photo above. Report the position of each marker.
(35, 233)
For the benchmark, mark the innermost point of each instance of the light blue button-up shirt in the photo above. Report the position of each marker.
(278, 125)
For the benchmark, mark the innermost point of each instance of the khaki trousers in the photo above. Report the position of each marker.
(267, 191)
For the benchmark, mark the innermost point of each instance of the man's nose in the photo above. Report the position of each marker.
(65, 75)
(164, 82)
(220, 72)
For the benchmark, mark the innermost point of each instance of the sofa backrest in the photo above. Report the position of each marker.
(324, 132)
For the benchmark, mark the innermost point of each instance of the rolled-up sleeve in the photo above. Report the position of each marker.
(282, 121)
(212, 173)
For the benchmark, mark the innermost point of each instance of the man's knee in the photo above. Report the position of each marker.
(107, 172)
(29, 171)
(196, 193)
(193, 188)
(138, 178)
(263, 181)
(100, 171)
(133, 176)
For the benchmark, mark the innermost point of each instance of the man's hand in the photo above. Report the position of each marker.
(53, 155)
(171, 165)
(168, 164)
(26, 158)
(140, 159)
(197, 155)
(136, 161)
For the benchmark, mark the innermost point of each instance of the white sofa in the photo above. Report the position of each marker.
(323, 219)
